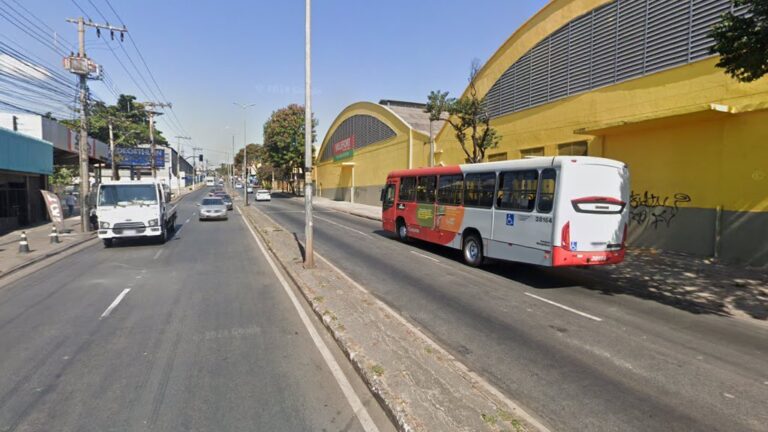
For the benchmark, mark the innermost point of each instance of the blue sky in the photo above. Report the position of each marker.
(207, 54)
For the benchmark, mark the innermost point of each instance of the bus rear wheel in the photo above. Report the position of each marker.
(473, 250)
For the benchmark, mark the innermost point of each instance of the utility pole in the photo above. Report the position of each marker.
(112, 151)
(178, 161)
(309, 251)
(232, 165)
(84, 68)
(245, 149)
(152, 113)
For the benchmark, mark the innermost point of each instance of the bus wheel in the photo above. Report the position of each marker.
(473, 250)
(402, 230)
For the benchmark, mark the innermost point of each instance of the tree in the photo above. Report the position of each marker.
(742, 41)
(468, 116)
(130, 122)
(254, 155)
(284, 141)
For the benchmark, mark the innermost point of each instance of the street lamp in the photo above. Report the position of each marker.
(309, 251)
(245, 148)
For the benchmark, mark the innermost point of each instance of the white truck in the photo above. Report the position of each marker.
(134, 209)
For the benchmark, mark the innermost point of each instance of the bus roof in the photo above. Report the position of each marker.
(534, 162)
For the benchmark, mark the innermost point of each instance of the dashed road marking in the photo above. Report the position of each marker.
(569, 309)
(345, 227)
(425, 256)
(115, 303)
(157, 254)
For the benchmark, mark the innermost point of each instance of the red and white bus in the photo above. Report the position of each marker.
(549, 211)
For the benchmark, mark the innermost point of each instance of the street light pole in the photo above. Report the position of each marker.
(309, 251)
(245, 148)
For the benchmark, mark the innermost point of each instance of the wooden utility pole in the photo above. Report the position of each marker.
(84, 68)
(112, 151)
(152, 113)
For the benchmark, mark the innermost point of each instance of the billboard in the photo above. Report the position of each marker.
(344, 149)
(137, 157)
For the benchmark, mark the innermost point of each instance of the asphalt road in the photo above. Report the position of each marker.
(576, 358)
(206, 339)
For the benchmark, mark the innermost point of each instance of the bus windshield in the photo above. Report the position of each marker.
(125, 195)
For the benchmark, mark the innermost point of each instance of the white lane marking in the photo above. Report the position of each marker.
(115, 303)
(425, 256)
(354, 401)
(157, 254)
(186, 221)
(345, 227)
(569, 309)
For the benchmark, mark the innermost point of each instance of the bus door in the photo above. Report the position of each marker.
(388, 210)
(448, 211)
(424, 227)
(522, 220)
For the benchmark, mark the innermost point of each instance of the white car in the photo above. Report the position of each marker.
(263, 195)
(238, 185)
(249, 189)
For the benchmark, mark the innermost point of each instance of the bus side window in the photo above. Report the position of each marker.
(547, 190)
(407, 189)
(425, 191)
(479, 189)
(517, 190)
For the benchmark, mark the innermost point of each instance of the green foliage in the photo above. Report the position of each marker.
(284, 141)
(468, 117)
(742, 41)
(130, 123)
(62, 176)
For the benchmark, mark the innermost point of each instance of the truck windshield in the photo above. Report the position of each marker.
(124, 195)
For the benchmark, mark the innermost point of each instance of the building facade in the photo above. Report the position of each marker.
(634, 80)
(24, 164)
(367, 141)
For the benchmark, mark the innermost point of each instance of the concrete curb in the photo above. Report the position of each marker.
(392, 404)
(44, 257)
(341, 210)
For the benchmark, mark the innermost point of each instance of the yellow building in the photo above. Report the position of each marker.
(633, 80)
(365, 143)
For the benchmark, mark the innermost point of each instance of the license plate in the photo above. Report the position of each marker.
(129, 232)
(598, 258)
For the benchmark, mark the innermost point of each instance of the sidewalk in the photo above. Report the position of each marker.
(39, 244)
(694, 284)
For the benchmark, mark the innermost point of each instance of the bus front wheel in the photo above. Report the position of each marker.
(473, 250)
(402, 230)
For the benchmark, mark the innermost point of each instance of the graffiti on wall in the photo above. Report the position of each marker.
(654, 210)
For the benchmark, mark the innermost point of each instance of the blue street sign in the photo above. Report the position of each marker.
(137, 157)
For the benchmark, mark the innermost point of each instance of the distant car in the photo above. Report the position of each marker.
(213, 208)
(263, 195)
(249, 189)
(238, 185)
(227, 201)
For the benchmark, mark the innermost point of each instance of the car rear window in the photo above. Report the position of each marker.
(212, 201)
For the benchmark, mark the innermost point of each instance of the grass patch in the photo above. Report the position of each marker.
(318, 299)
(377, 370)
(489, 418)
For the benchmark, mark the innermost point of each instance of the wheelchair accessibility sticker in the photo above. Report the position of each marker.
(510, 219)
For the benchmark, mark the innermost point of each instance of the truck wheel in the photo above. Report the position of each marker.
(473, 250)
(163, 236)
(107, 242)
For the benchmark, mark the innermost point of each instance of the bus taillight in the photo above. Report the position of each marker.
(565, 236)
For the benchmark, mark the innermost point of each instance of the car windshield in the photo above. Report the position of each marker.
(212, 201)
(262, 191)
(125, 195)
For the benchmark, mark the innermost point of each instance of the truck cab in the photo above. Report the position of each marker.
(134, 209)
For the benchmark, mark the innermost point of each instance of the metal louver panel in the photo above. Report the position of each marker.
(604, 25)
(558, 64)
(580, 56)
(667, 34)
(631, 47)
(366, 129)
(523, 83)
(539, 69)
(704, 15)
